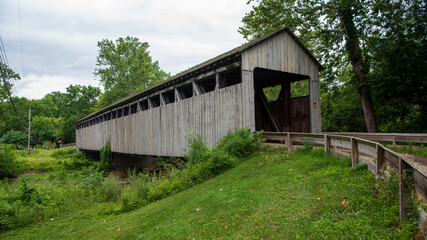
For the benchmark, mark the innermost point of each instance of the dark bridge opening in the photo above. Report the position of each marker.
(282, 101)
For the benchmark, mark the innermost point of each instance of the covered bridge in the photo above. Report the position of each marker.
(221, 94)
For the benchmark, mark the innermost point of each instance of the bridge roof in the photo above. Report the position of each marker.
(209, 64)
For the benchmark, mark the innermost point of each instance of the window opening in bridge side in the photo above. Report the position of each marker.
(234, 77)
(206, 85)
(185, 91)
(114, 114)
(167, 97)
(108, 116)
(125, 110)
(119, 112)
(133, 108)
(154, 101)
(229, 78)
(143, 105)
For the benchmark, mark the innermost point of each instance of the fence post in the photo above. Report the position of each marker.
(405, 177)
(354, 152)
(289, 142)
(327, 144)
(380, 160)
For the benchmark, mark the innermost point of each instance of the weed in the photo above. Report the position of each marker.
(7, 163)
(110, 189)
(241, 143)
(106, 163)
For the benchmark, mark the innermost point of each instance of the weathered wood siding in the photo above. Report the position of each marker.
(281, 53)
(161, 131)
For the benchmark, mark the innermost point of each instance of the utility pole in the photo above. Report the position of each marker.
(29, 129)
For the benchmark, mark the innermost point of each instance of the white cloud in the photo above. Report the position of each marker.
(60, 37)
(36, 86)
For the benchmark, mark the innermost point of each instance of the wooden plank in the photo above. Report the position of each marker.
(354, 153)
(380, 160)
(366, 149)
(405, 177)
(392, 160)
(420, 184)
(289, 142)
(327, 144)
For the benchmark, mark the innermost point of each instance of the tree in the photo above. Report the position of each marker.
(6, 75)
(339, 32)
(125, 67)
(79, 101)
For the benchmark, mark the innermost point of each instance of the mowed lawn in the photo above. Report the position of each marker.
(272, 195)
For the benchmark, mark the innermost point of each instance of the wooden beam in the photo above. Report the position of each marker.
(163, 100)
(327, 144)
(220, 81)
(268, 110)
(289, 142)
(196, 89)
(354, 152)
(150, 103)
(405, 191)
(380, 160)
(178, 95)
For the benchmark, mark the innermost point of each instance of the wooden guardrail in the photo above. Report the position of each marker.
(68, 145)
(387, 137)
(378, 158)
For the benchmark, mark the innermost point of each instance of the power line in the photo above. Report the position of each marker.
(6, 83)
(20, 34)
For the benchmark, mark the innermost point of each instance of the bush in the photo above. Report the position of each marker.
(110, 189)
(7, 163)
(239, 144)
(197, 150)
(106, 164)
(16, 138)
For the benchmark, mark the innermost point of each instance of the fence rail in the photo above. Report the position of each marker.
(362, 151)
(387, 137)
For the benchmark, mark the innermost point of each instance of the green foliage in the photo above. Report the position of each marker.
(106, 156)
(16, 138)
(239, 144)
(44, 128)
(124, 67)
(341, 111)
(7, 76)
(77, 161)
(7, 163)
(196, 150)
(110, 189)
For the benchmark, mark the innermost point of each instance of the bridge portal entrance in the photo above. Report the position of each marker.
(282, 101)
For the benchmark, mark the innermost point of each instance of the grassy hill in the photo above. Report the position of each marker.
(272, 195)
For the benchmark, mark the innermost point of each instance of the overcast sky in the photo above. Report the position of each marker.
(59, 37)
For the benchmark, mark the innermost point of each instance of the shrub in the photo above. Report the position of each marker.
(110, 189)
(197, 150)
(17, 138)
(7, 163)
(239, 144)
(106, 163)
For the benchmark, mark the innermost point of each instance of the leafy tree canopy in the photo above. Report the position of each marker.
(124, 67)
(6, 75)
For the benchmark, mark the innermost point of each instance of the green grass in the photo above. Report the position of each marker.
(417, 150)
(272, 195)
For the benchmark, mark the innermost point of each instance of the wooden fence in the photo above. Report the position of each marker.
(378, 158)
(387, 137)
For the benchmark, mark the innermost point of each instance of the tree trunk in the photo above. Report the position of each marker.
(356, 59)
(368, 109)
